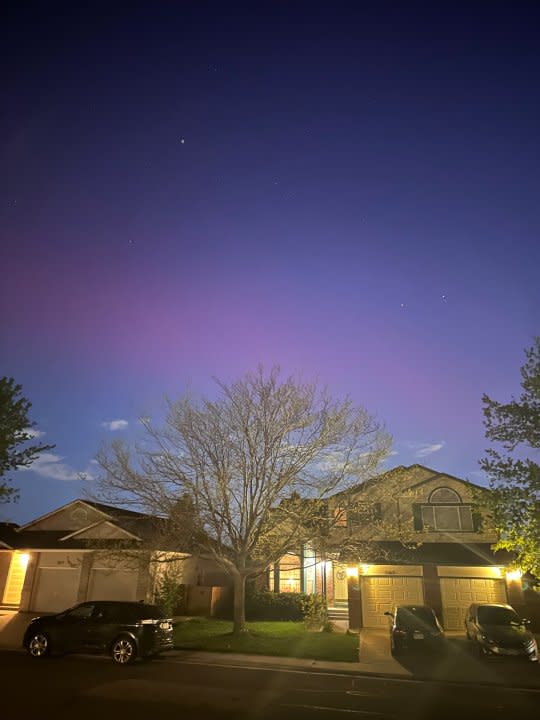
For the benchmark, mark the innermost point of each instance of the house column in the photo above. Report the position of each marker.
(276, 577)
(29, 580)
(514, 590)
(84, 580)
(354, 599)
(432, 589)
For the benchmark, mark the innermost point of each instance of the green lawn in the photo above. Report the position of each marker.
(286, 639)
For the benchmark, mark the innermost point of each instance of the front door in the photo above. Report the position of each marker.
(341, 594)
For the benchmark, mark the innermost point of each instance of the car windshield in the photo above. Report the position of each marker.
(494, 615)
(416, 616)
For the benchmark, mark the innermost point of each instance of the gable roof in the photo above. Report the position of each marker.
(39, 519)
(436, 474)
(387, 474)
(85, 530)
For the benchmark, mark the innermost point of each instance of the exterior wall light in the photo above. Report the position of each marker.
(352, 572)
(513, 575)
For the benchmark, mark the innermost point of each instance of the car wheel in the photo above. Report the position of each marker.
(38, 645)
(395, 648)
(123, 650)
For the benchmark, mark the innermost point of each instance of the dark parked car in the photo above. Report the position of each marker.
(414, 627)
(125, 630)
(497, 630)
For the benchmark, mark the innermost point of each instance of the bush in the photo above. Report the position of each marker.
(315, 611)
(171, 595)
(266, 605)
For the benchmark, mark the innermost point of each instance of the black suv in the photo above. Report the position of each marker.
(125, 630)
(497, 629)
(414, 627)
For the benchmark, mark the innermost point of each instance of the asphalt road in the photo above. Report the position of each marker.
(92, 687)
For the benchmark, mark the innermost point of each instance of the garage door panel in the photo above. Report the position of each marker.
(458, 593)
(379, 594)
(112, 585)
(57, 589)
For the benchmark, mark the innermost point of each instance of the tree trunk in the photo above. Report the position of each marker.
(239, 603)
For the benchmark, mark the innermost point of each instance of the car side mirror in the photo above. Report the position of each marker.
(389, 614)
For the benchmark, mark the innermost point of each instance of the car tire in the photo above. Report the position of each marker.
(124, 650)
(38, 645)
(395, 649)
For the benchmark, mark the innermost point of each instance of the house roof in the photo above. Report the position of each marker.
(7, 534)
(375, 480)
(136, 527)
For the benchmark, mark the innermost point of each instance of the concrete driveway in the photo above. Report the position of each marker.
(12, 627)
(457, 664)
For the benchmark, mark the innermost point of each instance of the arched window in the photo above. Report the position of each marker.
(446, 512)
(444, 495)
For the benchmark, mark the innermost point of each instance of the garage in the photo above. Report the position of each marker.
(458, 593)
(112, 584)
(379, 594)
(56, 589)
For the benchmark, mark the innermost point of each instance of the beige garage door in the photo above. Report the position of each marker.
(379, 594)
(113, 585)
(459, 593)
(57, 589)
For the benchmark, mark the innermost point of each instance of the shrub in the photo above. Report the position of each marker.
(266, 605)
(314, 611)
(171, 595)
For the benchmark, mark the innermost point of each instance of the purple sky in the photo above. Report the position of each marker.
(356, 198)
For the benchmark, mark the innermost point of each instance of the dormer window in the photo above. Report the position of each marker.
(445, 512)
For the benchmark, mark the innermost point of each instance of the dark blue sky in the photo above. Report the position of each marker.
(355, 197)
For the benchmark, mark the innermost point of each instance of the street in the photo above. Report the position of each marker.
(92, 687)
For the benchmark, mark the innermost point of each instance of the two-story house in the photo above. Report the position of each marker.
(411, 535)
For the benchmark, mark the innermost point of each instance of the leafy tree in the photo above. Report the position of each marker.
(15, 433)
(514, 472)
(257, 465)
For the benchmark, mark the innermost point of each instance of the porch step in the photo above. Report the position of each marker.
(338, 613)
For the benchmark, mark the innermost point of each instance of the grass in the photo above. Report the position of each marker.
(284, 639)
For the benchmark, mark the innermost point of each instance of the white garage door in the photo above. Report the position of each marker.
(379, 594)
(57, 589)
(458, 593)
(113, 585)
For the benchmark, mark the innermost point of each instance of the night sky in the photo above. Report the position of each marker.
(188, 189)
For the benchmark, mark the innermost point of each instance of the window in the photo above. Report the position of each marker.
(79, 612)
(445, 513)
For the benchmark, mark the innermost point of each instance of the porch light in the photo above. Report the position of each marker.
(352, 572)
(513, 575)
(23, 559)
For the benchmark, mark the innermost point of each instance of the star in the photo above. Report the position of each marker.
(402, 305)
(444, 298)
(182, 140)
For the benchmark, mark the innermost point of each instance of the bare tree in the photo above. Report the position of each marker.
(257, 465)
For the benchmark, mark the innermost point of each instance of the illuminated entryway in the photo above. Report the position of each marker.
(15, 580)
(340, 592)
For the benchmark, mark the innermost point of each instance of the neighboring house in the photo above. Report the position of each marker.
(71, 555)
(421, 538)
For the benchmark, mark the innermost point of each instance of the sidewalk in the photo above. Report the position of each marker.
(458, 665)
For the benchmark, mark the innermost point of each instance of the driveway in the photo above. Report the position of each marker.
(457, 664)
(12, 627)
